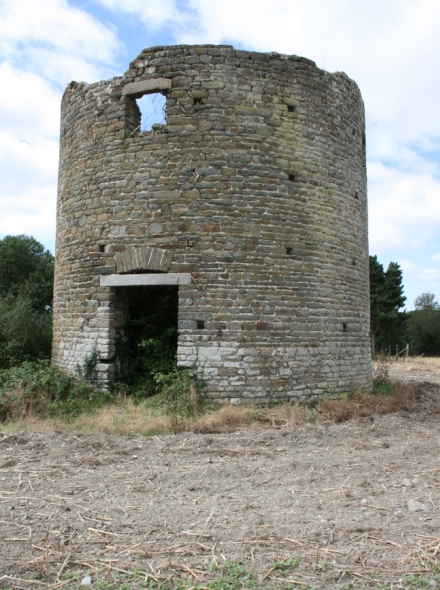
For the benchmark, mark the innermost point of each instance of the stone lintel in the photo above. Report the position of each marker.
(138, 89)
(139, 280)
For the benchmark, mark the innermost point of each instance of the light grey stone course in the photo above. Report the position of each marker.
(133, 280)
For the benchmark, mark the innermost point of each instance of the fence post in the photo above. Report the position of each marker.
(397, 352)
(407, 351)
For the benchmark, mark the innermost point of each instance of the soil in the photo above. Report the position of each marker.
(351, 505)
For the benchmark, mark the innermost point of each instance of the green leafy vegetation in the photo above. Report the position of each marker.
(424, 325)
(386, 299)
(289, 564)
(383, 387)
(389, 325)
(26, 268)
(41, 389)
(178, 392)
(25, 334)
(26, 284)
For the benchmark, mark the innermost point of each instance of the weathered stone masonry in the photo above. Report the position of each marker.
(252, 198)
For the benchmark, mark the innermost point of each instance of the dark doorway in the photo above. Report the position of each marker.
(146, 342)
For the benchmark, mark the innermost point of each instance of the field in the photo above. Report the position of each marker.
(283, 503)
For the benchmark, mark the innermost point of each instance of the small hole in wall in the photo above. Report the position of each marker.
(197, 101)
(344, 327)
(356, 195)
(289, 251)
(353, 262)
(292, 176)
(200, 324)
(363, 138)
(290, 108)
(353, 131)
(102, 247)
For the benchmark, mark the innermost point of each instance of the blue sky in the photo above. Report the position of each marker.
(391, 49)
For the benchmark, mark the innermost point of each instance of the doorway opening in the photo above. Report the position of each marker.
(146, 336)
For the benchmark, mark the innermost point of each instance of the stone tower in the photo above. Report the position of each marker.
(251, 199)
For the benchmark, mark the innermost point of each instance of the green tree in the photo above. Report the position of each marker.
(25, 334)
(26, 268)
(386, 298)
(26, 285)
(424, 325)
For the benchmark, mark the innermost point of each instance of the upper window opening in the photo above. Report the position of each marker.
(153, 110)
(145, 106)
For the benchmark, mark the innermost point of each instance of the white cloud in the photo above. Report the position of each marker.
(28, 173)
(153, 13)
(33, 213)
(43, 46)
(418, 280)
(29, 107)
(55, 40)
(404, 209)
(407, 265)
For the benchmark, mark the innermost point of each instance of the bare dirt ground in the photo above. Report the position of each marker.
(352, 505)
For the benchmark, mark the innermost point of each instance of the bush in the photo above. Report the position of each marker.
(41, 389)
(25, 334)
(178, 393)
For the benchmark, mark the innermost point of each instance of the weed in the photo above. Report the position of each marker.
(236, 576)
(41, 389)
(259, 415)
(178, 393)
(321, 566)
(288, 564)
(381, 368)
(87, 371)
(383, 387)
(414, 582)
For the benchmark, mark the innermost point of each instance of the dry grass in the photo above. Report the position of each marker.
(416, 362)
(422, 362)
(362, 405)
(127, 418)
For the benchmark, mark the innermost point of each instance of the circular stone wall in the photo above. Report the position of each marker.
(252, 198)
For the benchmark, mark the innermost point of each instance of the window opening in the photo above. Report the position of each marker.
(200, 324)
(152, 110)
(292, 176)
(289, 251)
(290, 108)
